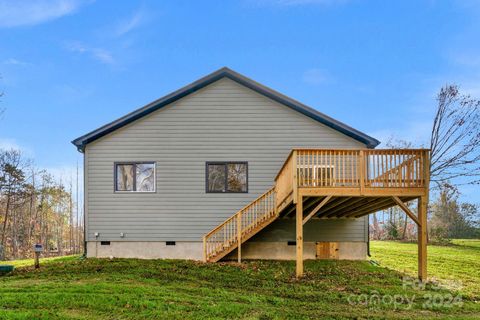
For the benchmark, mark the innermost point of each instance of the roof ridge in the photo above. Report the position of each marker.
(82, 141)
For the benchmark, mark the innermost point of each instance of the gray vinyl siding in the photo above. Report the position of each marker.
(351, 230)
(221, 122)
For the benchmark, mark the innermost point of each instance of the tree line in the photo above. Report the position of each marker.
(36, 207)
(448, 218)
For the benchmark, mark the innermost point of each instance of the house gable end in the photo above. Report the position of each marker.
(82, 141)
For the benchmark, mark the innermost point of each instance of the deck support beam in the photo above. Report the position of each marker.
(404, 207)
(422, 238)
(316, 209)
(299, 238)
(422, 218)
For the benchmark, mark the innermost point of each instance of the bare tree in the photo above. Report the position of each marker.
(455, 139)
(34, 208)
(11, 182)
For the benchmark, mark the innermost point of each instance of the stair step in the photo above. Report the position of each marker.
(256, 222)
(233, 244)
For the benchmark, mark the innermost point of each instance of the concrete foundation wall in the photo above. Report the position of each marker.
(146, 250)
(194, 250)
(283, 251)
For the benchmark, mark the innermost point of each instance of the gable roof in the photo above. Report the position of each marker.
(224, 72)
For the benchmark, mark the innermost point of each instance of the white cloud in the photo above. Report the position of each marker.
(15, 62)
(315, 77)
(136, 20)
(470, 86)
(297, 2)
(468, 82)
(302, 2)
(417, 132)
(32, 12)
(66, 173)
(98, 54)
(466, 59)
(9, 144)
(466, 73)
(102, 55)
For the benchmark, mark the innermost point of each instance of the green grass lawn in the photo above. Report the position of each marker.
(456, 266)
(30, 262)
(72, 288)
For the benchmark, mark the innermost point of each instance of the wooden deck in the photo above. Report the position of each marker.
(331, 184)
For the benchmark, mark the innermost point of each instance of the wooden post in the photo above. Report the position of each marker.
(361, 164)
(204, 249)
(37, 260)
(294, 176)
(239, 237)
(37, 249)
(422, 217)
(422, 238)
(299, 239)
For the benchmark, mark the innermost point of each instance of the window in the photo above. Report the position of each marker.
(227, 177)
(135, 177)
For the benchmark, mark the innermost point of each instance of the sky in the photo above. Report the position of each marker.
(70, 66)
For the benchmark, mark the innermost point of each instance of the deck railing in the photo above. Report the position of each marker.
(284, 186)
(396, 168)
(385, 168)
(328, 168)
(352, 168)
(240, 226)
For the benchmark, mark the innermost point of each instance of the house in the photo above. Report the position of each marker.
(226, 167)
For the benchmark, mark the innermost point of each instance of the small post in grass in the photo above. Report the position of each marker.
(37, 248)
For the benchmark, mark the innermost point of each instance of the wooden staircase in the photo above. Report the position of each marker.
(240, 227)
(341, 176)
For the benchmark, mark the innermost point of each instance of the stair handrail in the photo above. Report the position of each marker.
(234, 219)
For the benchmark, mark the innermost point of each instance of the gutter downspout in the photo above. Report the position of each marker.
(84, 215)
(368, 237)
